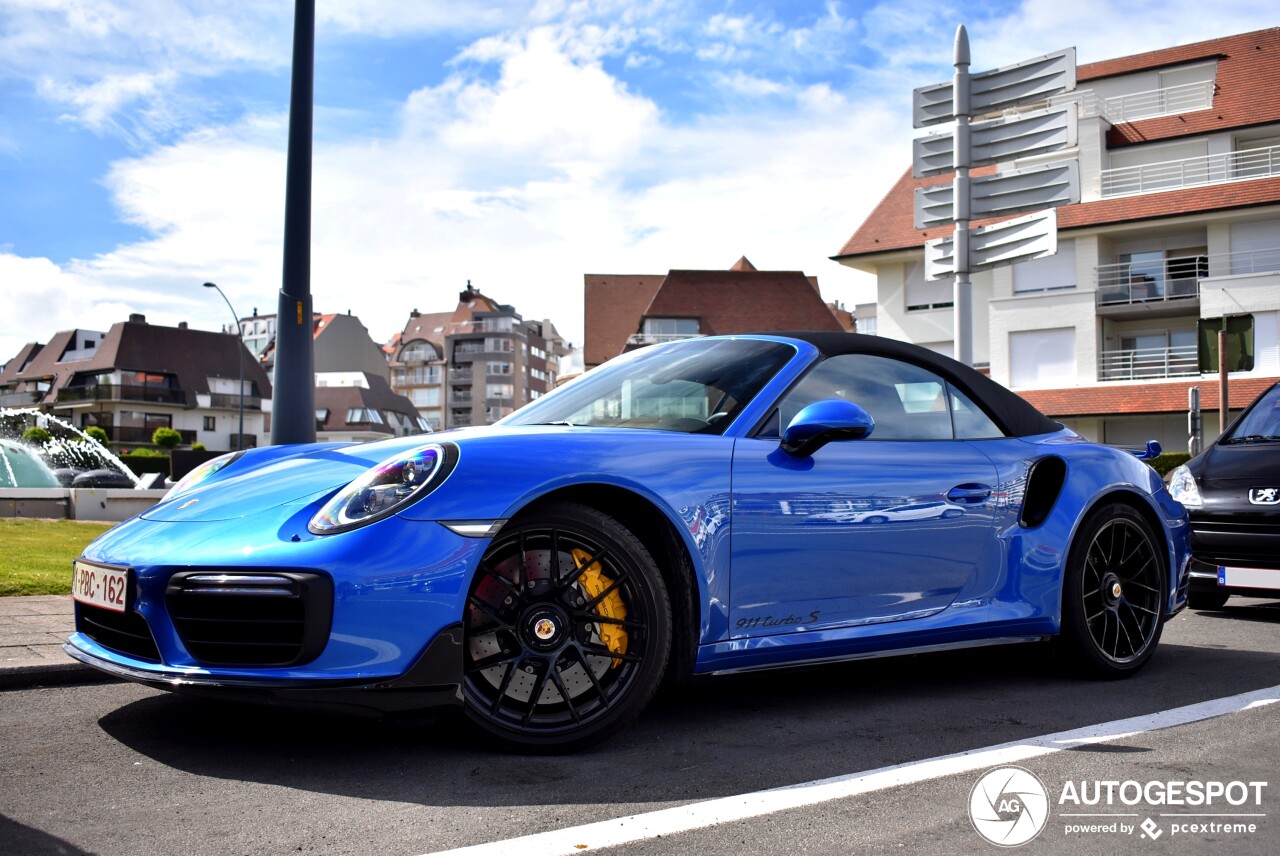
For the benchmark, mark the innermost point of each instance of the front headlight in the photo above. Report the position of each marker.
(203, 472)
(1183, 487)
(389, 487)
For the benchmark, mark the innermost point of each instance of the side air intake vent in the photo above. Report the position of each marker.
(1044, 483)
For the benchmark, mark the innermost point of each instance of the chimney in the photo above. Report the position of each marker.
(182, 325)
(137, 318)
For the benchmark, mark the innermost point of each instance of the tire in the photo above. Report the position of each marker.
(567, 631)
(1113, 593)
(1207, 599)
(877, 519)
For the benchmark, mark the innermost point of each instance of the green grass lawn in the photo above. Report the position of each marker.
(36, 555)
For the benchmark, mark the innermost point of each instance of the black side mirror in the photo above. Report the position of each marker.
(824, 421)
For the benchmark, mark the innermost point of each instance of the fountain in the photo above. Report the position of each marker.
(71, 458)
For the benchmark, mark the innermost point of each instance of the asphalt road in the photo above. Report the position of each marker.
(120, 769)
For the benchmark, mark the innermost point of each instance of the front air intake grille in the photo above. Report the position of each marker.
(258, 618)
(124, 632)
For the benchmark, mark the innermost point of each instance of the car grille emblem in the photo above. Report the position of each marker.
(1265, 496)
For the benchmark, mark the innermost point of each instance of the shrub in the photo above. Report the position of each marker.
(97, 434)
(198, 447)
(166, 438)
(36, 436)
(1167, 461)
(147, 453)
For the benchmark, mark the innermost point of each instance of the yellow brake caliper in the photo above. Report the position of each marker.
(593, 582)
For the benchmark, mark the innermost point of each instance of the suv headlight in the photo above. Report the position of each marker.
(387, 488)
(1183, 487)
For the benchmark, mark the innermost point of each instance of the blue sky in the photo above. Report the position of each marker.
(515, 144)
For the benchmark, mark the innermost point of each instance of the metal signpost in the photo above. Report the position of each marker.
(988, 141)
(293, 394)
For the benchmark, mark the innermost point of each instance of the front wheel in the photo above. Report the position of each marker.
(1114, 593)
(568, 629)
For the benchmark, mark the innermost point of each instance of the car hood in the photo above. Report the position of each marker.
(1235, 465)
(275, 476)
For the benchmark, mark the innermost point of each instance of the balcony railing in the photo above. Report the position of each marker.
(1145, 281)
(122, 392)
(1159, 102)
(1191, 172)
(1252, 261)
(25, 398)
(459, 376)
(231, 401)
(657, 338)
(1139, 363)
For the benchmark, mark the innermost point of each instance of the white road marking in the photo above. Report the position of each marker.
(640, 827)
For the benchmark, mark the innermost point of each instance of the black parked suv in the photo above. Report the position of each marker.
(1232, 493)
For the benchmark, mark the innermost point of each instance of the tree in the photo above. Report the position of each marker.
(97, 434)
(166, 438)
(36, 436)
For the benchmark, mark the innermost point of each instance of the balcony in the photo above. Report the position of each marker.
(658, 338)
(122, 392)
(1147, 281)
(231, 401)
(1158, 102)
(1191, 172)
(1145, 363)
(25, 398)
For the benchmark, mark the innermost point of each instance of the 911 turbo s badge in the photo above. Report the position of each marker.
(1265, 496)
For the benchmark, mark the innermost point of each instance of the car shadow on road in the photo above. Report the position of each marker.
(718, 737)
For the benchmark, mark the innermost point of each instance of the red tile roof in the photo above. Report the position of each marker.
(612, 307)
(1128, 398)
(723, 301)
(1246, 94)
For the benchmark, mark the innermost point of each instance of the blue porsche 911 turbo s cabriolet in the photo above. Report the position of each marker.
(655, 517)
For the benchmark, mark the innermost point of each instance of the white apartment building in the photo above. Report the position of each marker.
(1177, 233)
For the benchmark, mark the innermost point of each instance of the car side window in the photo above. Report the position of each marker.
(907, 402)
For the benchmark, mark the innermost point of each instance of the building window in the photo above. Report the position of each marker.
(363, 416)
(211, 423)
(500, 390)
(495, 345)
(499, 368)
(419, 352)
(1042, 358)
(670, 328)
(1049, 273)
(922, 293)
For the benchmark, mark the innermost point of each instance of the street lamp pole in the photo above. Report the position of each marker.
(240, 353)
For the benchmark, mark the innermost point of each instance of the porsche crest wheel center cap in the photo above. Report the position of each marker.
(1116, 590)
(544, 627)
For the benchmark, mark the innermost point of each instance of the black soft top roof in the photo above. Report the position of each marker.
(1013, 414)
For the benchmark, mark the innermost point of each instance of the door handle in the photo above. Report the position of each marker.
(969, 494)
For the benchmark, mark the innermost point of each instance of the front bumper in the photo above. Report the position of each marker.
(1204, 580)
(434, 680)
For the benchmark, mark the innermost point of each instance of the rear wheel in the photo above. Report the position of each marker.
(1114, 593)
(568, 629)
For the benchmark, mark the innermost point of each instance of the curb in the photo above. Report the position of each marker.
(28, 675)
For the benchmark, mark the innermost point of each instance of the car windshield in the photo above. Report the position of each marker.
(695, 386)
(1262, 423)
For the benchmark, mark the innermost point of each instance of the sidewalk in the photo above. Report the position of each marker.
(32, 630)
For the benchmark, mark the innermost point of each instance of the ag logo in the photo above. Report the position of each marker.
(1008, 806)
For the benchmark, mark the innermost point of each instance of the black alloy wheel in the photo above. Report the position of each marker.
(568, 629)
(1114, 593)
